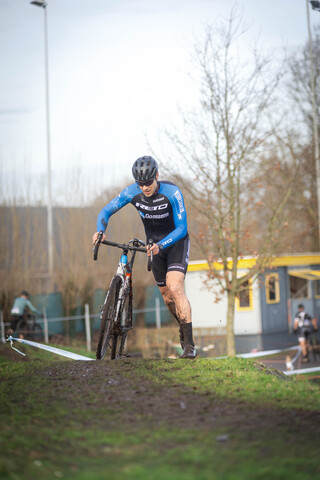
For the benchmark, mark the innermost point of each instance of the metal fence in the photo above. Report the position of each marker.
(47, 324)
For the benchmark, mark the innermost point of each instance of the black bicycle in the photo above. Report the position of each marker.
(26, 326)
(116, 312)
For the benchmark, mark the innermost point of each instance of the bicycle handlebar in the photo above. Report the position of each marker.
(96, 246)
(124, 246)
(115, 244)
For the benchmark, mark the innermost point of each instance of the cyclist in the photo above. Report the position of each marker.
(19, 308)
(162, 210)
(304, 325)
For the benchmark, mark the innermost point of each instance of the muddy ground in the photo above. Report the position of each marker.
(133, 398)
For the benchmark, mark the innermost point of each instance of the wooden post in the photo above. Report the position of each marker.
(88, 329)
(3, 340)
(45, 326)
(158, 313)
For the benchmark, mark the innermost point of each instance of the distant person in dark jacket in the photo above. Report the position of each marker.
(304, 325)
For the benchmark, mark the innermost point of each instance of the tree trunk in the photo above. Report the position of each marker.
(231, 347)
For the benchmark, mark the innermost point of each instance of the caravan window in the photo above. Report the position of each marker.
(244, 299)
(272, 288)
(298, 287)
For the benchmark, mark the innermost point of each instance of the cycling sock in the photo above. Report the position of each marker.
(187, 333)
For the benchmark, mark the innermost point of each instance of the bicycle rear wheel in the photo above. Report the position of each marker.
(108, 318)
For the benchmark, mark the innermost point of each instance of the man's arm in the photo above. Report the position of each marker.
(32, 308)
(116, 204)
(315, 324)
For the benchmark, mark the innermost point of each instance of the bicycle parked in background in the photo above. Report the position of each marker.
(26, 326)
(116, 312)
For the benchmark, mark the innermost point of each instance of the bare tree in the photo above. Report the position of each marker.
(300, 101)
(299, 84)
(218, 149)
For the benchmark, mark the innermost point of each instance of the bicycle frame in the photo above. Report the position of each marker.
(116, 312)
(124, 270)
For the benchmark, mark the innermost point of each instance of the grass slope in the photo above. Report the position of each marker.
(229, 419)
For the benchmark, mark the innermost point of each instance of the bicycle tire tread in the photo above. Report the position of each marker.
(108, 317)
(127, 307)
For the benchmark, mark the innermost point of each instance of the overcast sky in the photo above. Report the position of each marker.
(118, 69)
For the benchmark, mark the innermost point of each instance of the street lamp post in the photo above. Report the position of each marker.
(315, 6)
(43, 4)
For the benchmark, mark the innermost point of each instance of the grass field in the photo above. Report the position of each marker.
(229, 419)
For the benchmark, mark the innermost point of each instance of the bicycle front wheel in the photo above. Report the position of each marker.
(108, 318)
(126, 319)
(36, 333)
(22, 330)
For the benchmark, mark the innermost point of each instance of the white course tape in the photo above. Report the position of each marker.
(75, 356)
(295, 358)
(11, 345)
(302, 370)
(286, 372)
(58, 351)
(265, 353)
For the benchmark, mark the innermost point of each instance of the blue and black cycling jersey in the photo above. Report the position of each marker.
(163, 215)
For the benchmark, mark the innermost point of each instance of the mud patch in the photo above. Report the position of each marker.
(129, 399)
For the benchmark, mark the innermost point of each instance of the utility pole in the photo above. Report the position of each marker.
(43, 4)
(315, 6)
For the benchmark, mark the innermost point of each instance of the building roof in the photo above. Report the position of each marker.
(292, 260)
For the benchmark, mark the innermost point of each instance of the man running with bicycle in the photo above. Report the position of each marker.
(162, 210)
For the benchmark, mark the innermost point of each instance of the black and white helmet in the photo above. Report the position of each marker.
(144, 169)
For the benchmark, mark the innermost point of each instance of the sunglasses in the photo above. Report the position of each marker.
(145, 184)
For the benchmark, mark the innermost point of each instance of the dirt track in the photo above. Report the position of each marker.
(134, 399)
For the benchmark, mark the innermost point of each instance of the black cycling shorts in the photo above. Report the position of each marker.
(303, 333)
(175, 258)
